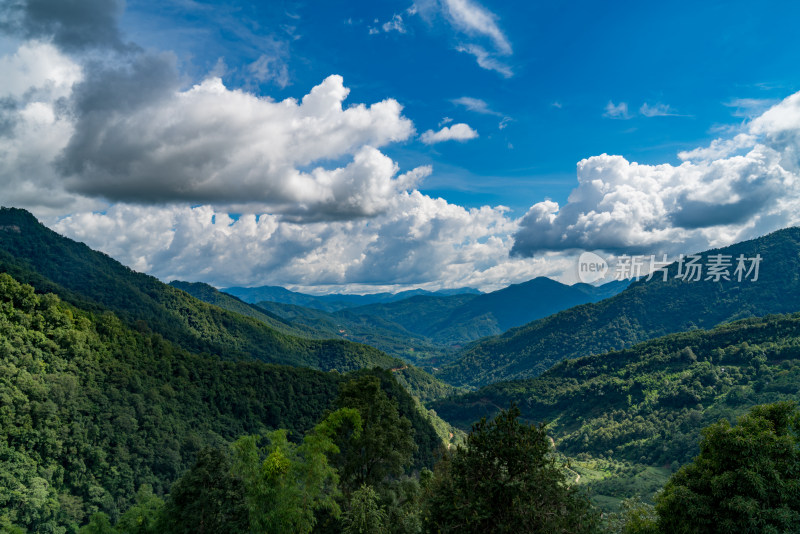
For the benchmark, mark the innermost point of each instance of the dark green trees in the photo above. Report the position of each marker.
(365, 515)
(746, 478)
(207, 499)
(506, 479)
(385, 445)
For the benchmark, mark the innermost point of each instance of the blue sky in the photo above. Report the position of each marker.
(374, 146)
(568, 61)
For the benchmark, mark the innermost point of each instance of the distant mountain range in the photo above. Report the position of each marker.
(419, 325)
(460, 319)
(332, 302)
(645, 310)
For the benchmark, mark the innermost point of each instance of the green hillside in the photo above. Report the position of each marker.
(645, 310)
(322, 325)
(212, 295)
(374, 330)
(33, 254)
(92, 409)
(631, 417)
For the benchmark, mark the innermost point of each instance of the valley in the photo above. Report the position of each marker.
(625, 375)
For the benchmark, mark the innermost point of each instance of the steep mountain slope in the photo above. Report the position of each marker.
(91, 280)
(332, 302)
(211, 295)
(391, 338)
(646, 309)
(322, 325)
(637, 410)
(92, 409)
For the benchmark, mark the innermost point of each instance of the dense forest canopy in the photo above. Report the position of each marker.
(92, 410)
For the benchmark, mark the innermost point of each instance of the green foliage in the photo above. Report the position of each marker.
(320, 325)
(402, 500)
(7, 527)
(645, 310)
(386, 444)
(635, 517)
(207, 499)
(385, 335)
(91, 410)
(211, 295)
(364, 514)
(745, 479)
(504, 480)
(285, 483)
(99, 523)
(143, 516)
(641, 410)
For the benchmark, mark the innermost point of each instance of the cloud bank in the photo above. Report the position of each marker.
(731, 190)
(419, 241)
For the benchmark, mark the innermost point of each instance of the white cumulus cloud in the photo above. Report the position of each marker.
(213, 144)
(456, 132)
(733, 189)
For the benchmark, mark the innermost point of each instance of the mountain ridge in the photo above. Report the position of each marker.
(334, 301)
(644, 310)
(94, 281)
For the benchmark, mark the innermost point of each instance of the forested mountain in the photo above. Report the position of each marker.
(321, 325)
(335, 301)
(93, 409)
(460, 319)
(211, 295)
(33, 254)
(646, 309)
(642, 408)
(391, 338)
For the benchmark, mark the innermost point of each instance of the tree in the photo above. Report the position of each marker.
(506, 479)
(386, 443)
(634, 517)
(745, 479)
(207, 499)
(285, 483)
(143, 516)
(7, 527)
(365, 515)
(99, 523)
